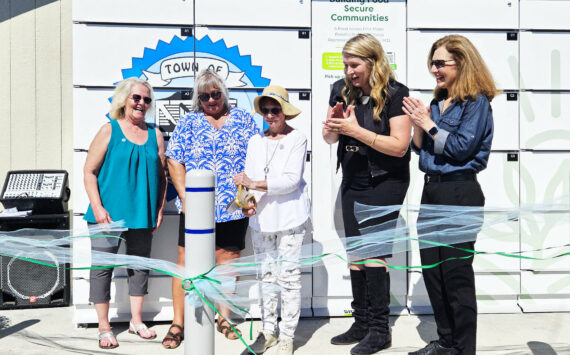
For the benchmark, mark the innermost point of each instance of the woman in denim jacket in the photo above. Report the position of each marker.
(454, 140)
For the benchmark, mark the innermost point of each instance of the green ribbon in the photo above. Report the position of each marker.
(204, 276)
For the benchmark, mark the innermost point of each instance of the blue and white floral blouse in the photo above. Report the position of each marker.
(196, 144)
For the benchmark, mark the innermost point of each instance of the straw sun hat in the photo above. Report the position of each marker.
(280, 95)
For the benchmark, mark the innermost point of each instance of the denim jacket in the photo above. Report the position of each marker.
(463, 143)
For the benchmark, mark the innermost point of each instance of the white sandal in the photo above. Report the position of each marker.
(107, 335)
(138, 328)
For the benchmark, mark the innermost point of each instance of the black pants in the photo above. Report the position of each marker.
(451, 285)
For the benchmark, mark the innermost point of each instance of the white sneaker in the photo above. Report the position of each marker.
(285, 347)
(263, 342)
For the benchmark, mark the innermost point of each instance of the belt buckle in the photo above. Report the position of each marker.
(351, 148)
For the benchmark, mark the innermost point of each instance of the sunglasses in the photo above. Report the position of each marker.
(137, 98)
(206, 97)
(273, 110)
(440, 63)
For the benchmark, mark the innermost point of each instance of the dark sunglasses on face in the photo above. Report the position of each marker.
(273, 110)
(440, 63)
(206, 97)
(137, 98)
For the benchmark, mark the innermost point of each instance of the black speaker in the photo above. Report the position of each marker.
(25, 284)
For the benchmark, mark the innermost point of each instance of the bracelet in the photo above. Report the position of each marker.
(374, 140)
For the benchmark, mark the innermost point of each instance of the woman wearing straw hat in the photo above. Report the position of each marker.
(365, 116)
(274, 172)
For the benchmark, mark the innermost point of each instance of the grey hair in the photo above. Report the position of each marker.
(122, 93)
(205, 80)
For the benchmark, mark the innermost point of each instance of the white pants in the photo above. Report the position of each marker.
(277, 275)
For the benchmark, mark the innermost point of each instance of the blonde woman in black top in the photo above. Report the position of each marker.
(366, 118)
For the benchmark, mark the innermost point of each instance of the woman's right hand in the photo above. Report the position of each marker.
(101, 215)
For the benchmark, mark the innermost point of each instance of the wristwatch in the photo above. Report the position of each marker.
(433, 131)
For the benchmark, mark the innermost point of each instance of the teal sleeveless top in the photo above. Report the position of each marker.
(129, 180)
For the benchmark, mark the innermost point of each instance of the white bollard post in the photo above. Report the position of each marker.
(200, 257)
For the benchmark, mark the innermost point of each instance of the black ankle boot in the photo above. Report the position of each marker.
(378, 337)
(359, 328)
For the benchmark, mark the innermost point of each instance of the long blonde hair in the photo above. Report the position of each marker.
(473, 76)
(369, 49)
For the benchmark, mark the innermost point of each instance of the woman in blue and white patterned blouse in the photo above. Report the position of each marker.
(214, 137)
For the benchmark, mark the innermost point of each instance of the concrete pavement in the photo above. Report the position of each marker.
(51, 331)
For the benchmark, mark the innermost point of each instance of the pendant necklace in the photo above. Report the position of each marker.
(267, 162)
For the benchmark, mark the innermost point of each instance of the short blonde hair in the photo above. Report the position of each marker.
(205, 80)
(122, 93)
(369, 49)
(473, 76)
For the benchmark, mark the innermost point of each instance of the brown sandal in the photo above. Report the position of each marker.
(176, 337)
(223, 327)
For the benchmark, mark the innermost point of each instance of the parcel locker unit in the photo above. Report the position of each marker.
(544, 60)
(544, 291)
(332, 293)
(545, 181)
(500, 181)
(455, 14)
(497, 292)
(164, 12)
(545, 120)
(140, 51)
(500, 233)
(256, 55)
(499, 49)
(158, 303)
(248, 13)
(544, 14)
(506, 121)
(90, 112)
(80, 199)
(545, 235)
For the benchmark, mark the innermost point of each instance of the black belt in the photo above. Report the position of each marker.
(351, 148)
(449, 177)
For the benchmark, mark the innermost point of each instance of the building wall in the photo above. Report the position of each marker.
(35, 85)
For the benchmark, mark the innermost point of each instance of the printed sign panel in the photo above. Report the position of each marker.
(334, 23)
(259, 50)
(498, 49)
(274, 13)
(552, 50)
(545, 120)
(545, 179)
(491, 14)
(164, 12)
(544, 14)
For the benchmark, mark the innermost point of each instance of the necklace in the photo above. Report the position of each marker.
(267, 162)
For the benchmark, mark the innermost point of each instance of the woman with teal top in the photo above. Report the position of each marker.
(125, 181)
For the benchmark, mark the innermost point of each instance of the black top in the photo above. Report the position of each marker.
(367, 163)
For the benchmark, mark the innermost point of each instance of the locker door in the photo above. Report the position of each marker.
(164, 12)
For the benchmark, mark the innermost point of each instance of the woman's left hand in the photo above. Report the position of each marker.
(243, 180)
(418, 114)
(250, 211)
(158, 221)
(347, 126)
